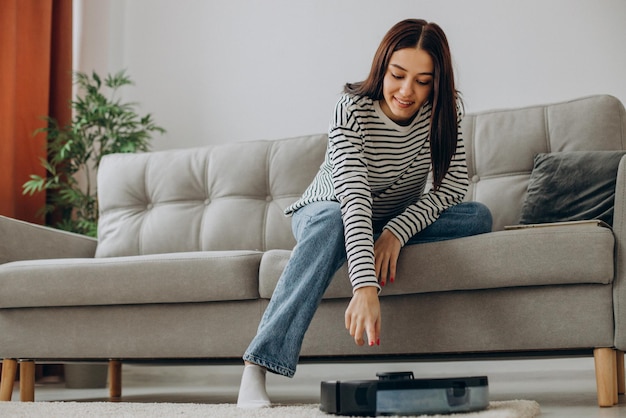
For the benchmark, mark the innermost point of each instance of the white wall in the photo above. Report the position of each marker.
(213, 71)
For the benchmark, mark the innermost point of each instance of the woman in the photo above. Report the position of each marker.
(371, 197)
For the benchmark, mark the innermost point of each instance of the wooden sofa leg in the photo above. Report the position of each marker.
(621, 375)
(606, 375)
(7, 381)
(27, 380)
(115, 379)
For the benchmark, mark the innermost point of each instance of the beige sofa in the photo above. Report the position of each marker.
(192, 241)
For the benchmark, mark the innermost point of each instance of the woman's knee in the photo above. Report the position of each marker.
(320, 218)
(469, 218)
(483, 220)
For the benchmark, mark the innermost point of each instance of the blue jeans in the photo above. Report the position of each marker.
(320, 251)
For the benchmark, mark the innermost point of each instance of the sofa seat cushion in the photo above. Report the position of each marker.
(555, 255)
(160, 278)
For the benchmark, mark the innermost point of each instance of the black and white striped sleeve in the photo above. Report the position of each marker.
(352, 189)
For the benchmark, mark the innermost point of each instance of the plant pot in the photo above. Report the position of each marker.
(86, 375)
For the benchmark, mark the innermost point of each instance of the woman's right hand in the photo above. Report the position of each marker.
(363, 316)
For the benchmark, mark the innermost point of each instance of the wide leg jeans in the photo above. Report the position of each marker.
(320, 251)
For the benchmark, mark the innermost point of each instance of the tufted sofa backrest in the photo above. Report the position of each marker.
(232, 196)
(223, 197)
(502, 144)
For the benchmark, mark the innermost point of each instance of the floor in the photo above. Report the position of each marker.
(563, 387)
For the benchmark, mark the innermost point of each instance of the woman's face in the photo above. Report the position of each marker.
(407, 84)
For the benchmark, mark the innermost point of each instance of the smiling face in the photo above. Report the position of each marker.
(407, 84)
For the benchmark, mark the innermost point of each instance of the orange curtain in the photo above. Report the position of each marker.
(35, 81)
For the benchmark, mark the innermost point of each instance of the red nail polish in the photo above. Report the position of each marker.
(382, 283)
(378, 342)
(371, 343)
(391, 280)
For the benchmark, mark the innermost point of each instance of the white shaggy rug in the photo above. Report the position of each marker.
(502, 409)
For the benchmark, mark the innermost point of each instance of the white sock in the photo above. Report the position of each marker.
(252, 392)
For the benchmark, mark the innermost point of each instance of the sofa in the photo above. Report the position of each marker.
(191, 243)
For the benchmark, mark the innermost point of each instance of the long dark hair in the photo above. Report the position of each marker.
(428, 36)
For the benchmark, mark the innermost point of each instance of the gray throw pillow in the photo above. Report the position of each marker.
(571, 186)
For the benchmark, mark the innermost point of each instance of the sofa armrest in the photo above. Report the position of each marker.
(21, 240)
(619, 283)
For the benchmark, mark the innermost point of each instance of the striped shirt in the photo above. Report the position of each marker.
(378, 171)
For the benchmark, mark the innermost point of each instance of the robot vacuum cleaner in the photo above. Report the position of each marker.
(399, 393)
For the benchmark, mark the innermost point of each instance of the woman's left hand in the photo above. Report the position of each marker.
(386, 251)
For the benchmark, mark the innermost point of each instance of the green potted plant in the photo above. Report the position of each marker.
(101, 124)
